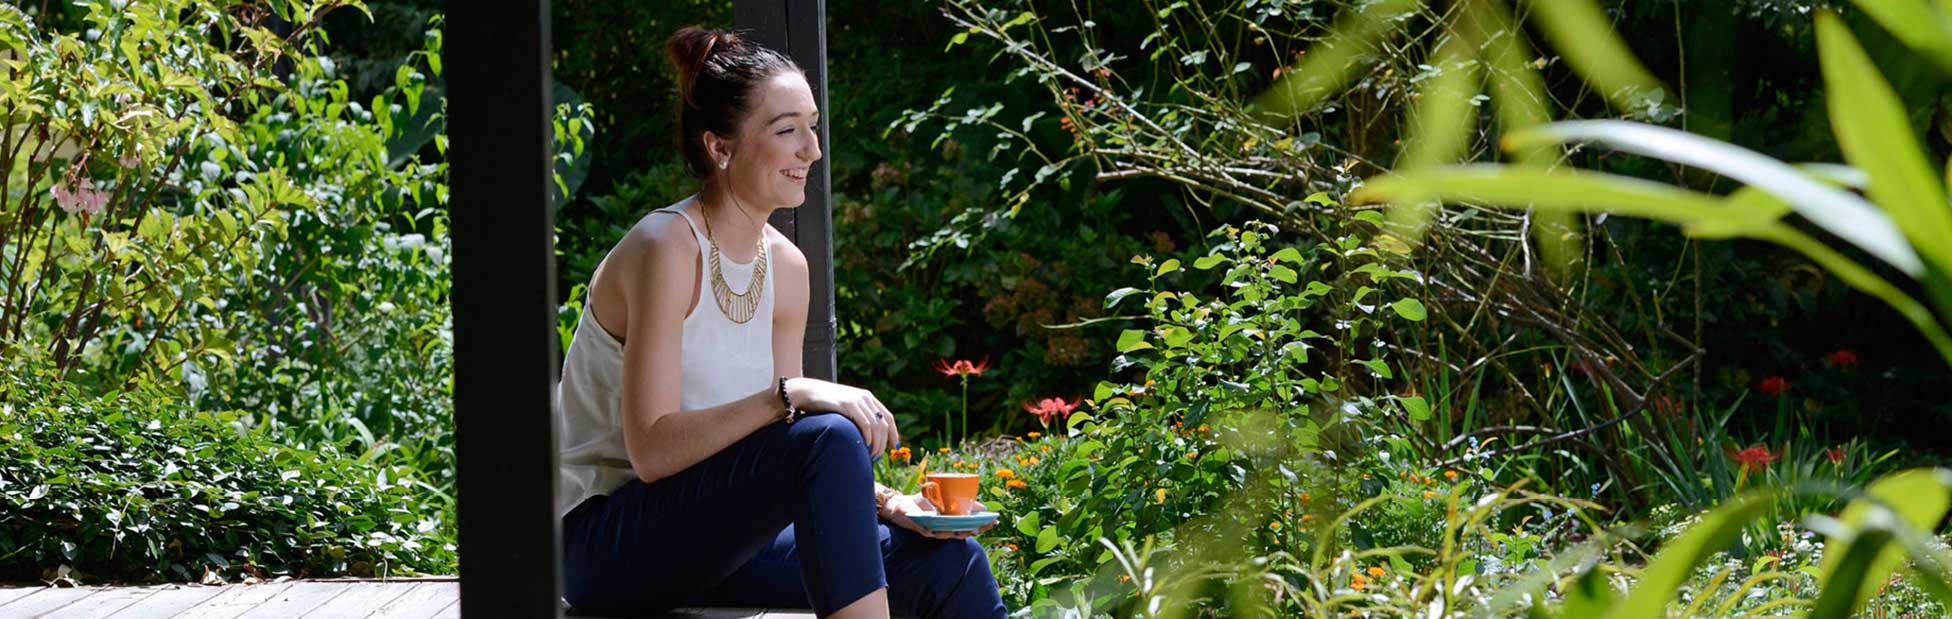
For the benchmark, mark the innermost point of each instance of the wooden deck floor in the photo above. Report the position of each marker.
(419, 598)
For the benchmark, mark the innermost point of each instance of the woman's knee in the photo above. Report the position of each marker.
(958, 574)
(828, 431)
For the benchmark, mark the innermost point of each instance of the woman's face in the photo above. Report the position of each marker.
(777, 144)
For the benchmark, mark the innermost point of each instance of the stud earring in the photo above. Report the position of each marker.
(723, 163)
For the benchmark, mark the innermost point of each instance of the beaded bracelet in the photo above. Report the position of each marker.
(791, 411)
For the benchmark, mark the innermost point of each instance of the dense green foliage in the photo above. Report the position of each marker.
(229, 237)
(138, 486)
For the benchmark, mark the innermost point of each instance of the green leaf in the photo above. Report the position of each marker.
(1416, 407)
(1290, 255)
(1918, 24)
(1283, 274)
(1027, 525)
(1839, 212)
(1380, 367)
(1332, 61)
(1208, 262)
(1119, 295)
(1589, 596)
(1046, 539)
(1177, 337)
(1169, 266)
(1411, 309)
(1132, 339)
(1581, 31)
(1919, 498)
(1876, 137)
(1677, 560)
(959, 39)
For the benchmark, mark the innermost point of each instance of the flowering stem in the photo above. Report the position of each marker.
(965, 410)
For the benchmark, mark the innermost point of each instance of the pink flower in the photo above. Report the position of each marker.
(84, 199)
(1773, 385)
(962, 367)
(1047, 408)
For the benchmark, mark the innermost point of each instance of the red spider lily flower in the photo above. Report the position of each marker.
(962, 367)
(1843, 358)
(1047, 408)
(1834, 454)
(1754, 458)
(1772, 385)
(1668, 405)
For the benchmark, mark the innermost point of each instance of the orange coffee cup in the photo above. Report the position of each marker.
(954, 494)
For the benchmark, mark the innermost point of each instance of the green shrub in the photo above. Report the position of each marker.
(138, 486)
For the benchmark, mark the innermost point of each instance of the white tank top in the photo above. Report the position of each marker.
(721, 360)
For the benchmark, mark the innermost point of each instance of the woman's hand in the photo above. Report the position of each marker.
(901, 505)
(858, 405)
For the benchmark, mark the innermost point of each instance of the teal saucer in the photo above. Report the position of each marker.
(939, 522)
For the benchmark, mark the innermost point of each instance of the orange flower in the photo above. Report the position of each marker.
(942, 450)
(1010, 546)
(1376, 571)
(1005, 473)
(1015, 483)
(1044, 448)
(1034, 434)
(1358, 582)
(1450, 474)
(1194, 454)
(1274, 525)
(1429, 494)
(1203, 428)
(1307, 517)
(1304, 497)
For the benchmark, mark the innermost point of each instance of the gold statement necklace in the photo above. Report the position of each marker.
(737, 306)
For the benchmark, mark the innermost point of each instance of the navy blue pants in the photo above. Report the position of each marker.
(782, 518)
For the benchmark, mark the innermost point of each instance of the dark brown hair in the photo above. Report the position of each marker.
(717, 72)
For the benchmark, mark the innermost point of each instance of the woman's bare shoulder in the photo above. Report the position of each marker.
(660, 240)
(663, 230)
(788, 255)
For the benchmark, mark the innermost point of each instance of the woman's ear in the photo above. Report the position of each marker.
(719, 148)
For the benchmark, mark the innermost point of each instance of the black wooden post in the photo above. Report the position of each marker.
(798, 28)
(505, 350)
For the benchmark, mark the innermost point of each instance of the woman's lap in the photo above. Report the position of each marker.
(731, 531)
(654, 546)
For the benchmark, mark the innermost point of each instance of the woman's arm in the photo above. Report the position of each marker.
(659, 439)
